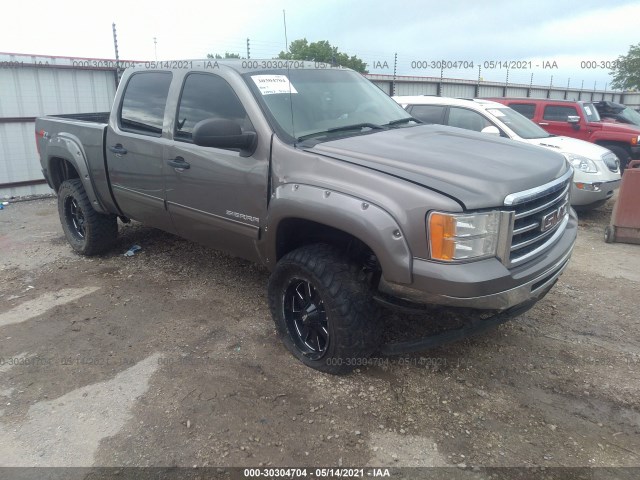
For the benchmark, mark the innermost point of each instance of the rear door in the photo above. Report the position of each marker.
(215, 196)
(555, 120)
(135, 149)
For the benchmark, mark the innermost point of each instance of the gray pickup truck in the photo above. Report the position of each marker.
(317, 174)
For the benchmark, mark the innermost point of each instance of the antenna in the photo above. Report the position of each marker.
(293, 128)
(115, 46)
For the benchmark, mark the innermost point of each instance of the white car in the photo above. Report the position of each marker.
(597, 170)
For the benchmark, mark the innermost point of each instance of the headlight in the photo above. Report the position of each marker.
(581, 163)
(462, 236)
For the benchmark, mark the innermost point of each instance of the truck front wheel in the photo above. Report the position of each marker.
(323, 309)
(88, 232)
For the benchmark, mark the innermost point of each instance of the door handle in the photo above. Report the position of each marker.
(179, 162)
(118, 149)
(543, 124)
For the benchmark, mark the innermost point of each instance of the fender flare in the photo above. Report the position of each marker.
(69, 147)
(368, 222)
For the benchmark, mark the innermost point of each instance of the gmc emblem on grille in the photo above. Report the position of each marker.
(550, 220)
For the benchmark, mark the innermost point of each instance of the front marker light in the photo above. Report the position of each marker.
(463, 236)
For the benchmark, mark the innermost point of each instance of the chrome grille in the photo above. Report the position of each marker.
(540, 215)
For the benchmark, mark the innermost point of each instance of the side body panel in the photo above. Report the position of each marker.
(81, 144)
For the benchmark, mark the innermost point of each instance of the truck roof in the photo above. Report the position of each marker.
(239, 65)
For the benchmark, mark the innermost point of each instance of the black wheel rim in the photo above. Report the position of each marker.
(75, 217)
(306, 318)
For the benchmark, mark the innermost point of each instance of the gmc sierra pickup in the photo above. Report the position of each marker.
(317, 174)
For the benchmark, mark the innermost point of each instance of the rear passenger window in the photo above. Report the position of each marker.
(526, 109)
(143, 103)
(207, 96)
(428, 113)
(558, 113)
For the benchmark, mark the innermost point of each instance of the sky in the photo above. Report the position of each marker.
(573, 41)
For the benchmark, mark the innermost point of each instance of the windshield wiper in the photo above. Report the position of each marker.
(344, 128)
(404, 120)
(355, 126)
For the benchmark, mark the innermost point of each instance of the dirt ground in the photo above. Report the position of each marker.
(170, 358)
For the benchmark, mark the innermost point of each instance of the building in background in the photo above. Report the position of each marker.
(37, 85)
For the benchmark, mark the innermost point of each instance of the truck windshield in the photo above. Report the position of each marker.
(518, 123)
(324, 104)
(590, 112)
(631, 115)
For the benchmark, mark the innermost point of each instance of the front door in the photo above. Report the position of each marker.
(555, 121)
(214, 196)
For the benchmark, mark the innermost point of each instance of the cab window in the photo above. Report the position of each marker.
(467, 119)
(559, 113)
(143, 103)
(207, 96)
(428, 113)
(526, 109)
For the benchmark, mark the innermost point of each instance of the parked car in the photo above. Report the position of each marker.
(317, 174)
(597, 173)
(616, 112)
(578, 119)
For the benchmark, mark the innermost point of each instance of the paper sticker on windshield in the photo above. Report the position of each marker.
(272, 84)
(587, 109)
(495, 112)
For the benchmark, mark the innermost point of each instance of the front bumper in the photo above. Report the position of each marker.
(592, 193)
(486, 284)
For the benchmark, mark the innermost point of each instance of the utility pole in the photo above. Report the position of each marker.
(248, 49)
(155, 47)
(506, 84)
(115, 46)
(395, 69)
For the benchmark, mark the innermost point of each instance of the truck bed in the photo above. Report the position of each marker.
(79, 136)
(97, 117)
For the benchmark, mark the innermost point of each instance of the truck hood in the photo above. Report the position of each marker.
(475, 169)
(570, 145)
(617, 127)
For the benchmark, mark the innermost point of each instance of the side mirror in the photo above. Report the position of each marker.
(491, 130)
(574, 121)
(223, 133)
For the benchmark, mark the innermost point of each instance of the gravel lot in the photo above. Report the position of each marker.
(169, 358)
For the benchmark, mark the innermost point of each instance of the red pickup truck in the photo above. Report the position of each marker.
(579, 119)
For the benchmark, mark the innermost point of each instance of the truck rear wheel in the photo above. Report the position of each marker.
(323, 309)
(88, 232)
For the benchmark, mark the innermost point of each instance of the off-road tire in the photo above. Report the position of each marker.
(88, 232)
(353, 326)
